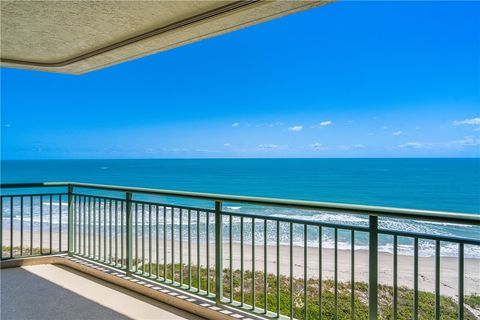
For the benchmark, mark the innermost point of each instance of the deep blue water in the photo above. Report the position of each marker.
(435, 184)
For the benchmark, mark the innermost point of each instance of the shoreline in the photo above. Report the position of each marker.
(405, 272)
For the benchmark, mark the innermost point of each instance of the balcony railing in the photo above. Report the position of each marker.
(268, 264)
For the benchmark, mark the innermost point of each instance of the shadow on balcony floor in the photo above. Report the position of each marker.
(58, 292)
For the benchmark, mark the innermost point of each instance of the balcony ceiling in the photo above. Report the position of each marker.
(80, 36)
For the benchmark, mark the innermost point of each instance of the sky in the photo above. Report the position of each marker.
(349, 79)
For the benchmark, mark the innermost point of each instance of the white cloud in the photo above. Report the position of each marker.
(268, 146)
(276, 124)
(468, 141)
(227, 144)
(350, 121)
(471, 122)
(397, 133)
(316, 146)
(235, 124)
(325, 123)
(8, 125)
(296, 128)
(359, 146)
(175, 149)
(384, 127)
(343, 148)
(415, 145)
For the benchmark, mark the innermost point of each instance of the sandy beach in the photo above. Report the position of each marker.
(448, 274)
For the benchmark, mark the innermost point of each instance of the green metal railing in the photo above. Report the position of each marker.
(175, 245)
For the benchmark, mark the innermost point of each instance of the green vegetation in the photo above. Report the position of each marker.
(473, 301)
(25, 251)
(426, 308)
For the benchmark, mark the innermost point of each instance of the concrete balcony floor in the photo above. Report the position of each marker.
(59, 292)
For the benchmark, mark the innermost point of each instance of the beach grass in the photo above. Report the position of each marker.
(426, 307)
(26, 251)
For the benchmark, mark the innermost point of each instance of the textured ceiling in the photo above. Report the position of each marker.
(80, 36)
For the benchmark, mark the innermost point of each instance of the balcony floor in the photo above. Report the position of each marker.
(58, 292)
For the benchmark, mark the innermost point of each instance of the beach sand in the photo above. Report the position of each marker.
(405, 274)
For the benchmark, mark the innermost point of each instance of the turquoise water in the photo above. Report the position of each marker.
(434, 184)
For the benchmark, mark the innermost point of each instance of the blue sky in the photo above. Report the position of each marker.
(375, 79)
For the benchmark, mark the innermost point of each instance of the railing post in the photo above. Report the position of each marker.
(70, 220)
(373, 268)
(128, 207)
(218, 253)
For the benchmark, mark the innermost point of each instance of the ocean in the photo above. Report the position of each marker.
(431, 184)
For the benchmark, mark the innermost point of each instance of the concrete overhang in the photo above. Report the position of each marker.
(76, 37)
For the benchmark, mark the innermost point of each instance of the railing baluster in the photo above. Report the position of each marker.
(11, 228)
(143, 239)
(320, 284)
(157, 226)
(99, 229)
(60, 225)
(198, 251)
(208, 251)
(305, 282)
(437, 280)
(373, 267)
(71, 221)
(218, 253)
(128, 209)
(242, 294)
(150, 240)
(291, 270)
(105, 231)
(31, 224)
(116, 234)
(460, 280)
(78, 238)
(122, 227)
(415, 279)
(84, 225)
(89, 225)
(94, 224)
(352, 266)
(41, 228)
(110, 236)
(253, 263)
(395, 276)
(51, 225)
(335, 262)
(231, 257)
(21, 226)
(180, 235)
(265, 284)
(165, 243)
(136, 237)
(172, 225)
(1, 229)
(189, 249)
(278, 270)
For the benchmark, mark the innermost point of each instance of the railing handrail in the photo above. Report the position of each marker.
(451, 217)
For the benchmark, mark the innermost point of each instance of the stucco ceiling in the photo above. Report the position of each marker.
(80, 36)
